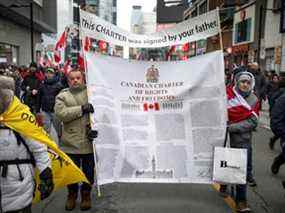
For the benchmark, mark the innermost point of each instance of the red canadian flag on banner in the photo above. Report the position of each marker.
(154, 106)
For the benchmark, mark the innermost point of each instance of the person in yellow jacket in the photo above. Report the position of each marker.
(19, 156)
(72, 109)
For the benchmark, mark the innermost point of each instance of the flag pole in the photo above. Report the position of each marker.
(220, 30)
(91, 121)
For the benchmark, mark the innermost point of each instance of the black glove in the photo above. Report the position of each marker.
(46, 183)
(92, 134)
(87, 108)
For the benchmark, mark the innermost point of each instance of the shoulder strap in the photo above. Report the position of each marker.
(21, 140)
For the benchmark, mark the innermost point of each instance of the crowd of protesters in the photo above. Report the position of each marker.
(58, 99)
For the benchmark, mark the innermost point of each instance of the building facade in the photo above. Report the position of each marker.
(142, 23)
(15, 28)
(272, 49)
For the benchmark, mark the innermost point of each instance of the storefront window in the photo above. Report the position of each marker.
(8, 54)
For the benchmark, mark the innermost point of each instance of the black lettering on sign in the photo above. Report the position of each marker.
(30, 118)
(25, 116)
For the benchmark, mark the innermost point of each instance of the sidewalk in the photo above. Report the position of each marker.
(264, 119)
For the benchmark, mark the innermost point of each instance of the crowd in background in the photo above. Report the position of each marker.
(56, 98)
(59, 99)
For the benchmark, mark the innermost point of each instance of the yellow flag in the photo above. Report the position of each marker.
(19, 118)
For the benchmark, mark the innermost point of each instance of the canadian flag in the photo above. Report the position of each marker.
(87, 44)
(57, 56)
(102, 45)
(80, 61)
(66, 67)
(154, 106)
(61, 43)
(59, 46)
(238, 108)
(186, 47)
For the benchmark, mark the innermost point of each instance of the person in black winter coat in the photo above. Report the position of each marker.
(46, 100)
(274, 90)
(277, 124)
(30, 87)
(260, 82)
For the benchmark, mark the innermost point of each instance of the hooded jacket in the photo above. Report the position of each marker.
(17, 186)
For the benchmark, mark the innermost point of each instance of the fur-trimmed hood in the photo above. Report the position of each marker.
(7, 88)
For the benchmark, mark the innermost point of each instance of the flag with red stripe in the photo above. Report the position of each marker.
(238, 108)
(148, 107)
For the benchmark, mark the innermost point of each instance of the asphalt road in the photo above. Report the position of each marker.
(267, 197)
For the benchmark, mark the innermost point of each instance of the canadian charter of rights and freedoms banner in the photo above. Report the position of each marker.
(157, 121)
(193, 29)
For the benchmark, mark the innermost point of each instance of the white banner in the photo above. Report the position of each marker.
(193, 29)
(157, 121)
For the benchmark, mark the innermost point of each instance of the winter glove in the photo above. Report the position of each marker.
(92, 134)
(87, 108)
(46, 183)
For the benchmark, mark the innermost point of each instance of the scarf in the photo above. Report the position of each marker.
(238, 108)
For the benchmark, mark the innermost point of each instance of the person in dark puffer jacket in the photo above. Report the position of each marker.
(30, 87)
(277, 124)
(46, 100)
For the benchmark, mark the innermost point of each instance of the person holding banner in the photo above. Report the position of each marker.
(72, 108)
(243, 112)
(18, 157)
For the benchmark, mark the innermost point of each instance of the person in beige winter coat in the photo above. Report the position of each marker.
(72, 109)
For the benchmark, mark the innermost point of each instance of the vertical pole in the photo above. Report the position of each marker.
(259, 33)
(220, 30)
(32, 30)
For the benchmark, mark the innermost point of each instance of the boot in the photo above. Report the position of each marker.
(85, 200)
(277, 162)
(223, 191)
(71, 201)
(242, 207)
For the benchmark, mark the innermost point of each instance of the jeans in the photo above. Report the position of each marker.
(86, 162)
(49, 119)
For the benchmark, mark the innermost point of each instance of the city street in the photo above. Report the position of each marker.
(267, 197)
(148, 90)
